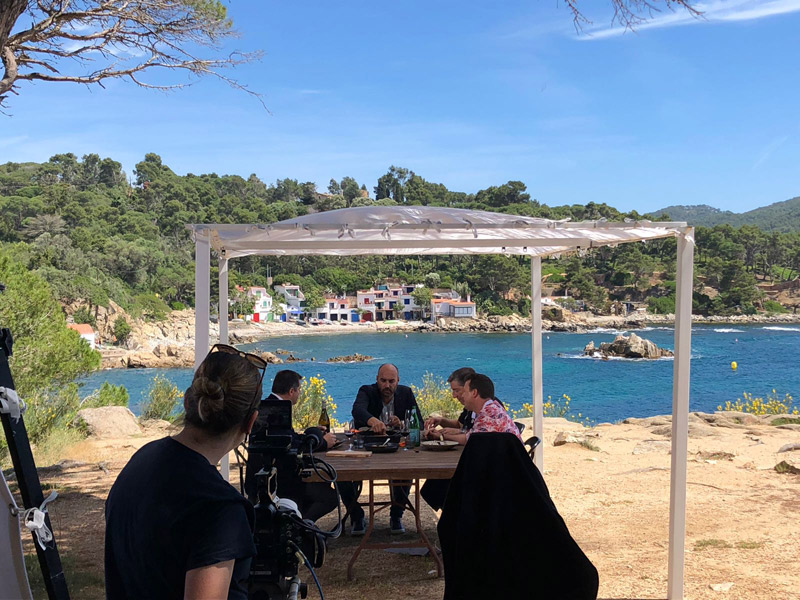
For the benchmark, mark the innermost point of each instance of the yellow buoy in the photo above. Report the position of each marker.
(734, 365)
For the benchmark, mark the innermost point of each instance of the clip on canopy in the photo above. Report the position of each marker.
(413, 230)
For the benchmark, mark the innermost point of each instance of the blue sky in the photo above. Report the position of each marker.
(469, 94)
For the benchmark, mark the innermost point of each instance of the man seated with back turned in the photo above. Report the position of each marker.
(313, 499)
(372, 400)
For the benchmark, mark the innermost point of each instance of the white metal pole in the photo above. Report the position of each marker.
(223, 300)
(202, 296)
(536, 359)
(680, 415)
(225, 463)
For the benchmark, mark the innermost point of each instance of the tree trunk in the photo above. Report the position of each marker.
(10, 11)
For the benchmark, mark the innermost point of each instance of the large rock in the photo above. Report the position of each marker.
(108, 422)
(652, 447)
(574, 437)
(271, 358)
(627, 347)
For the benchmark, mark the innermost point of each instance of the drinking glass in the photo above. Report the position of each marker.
(406, 427)
(386, 415)
(349, 431)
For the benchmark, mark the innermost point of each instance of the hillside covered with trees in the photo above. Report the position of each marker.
(94, 236)
(780, 216)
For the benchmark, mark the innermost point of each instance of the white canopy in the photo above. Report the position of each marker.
(410, 230)
(423, 230)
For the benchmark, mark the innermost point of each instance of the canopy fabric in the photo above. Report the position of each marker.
(415, 230)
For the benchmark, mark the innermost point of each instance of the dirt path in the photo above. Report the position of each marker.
(742, 521)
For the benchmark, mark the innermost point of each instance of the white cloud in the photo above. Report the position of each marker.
(712, 12)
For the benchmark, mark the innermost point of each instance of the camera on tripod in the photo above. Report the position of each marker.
(283, 538)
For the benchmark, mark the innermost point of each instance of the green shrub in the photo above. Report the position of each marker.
(163, 399)
(662, 305)
(107, 395)
(553, 408)
(435, 397)
(150, 307)
(313, 394)
(622, 278)
(670, 284)
(773, 404)
(122, 330)
(556, 278)
(83, 315)
(50, 410)
(178, 305)
(774, 307)
(748, 309)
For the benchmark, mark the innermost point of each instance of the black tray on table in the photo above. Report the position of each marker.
(370, 437)
(381, 448)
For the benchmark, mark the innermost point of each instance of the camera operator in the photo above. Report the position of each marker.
(313, 499)
(174, 527)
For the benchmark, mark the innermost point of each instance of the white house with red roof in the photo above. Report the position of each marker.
(86, 332)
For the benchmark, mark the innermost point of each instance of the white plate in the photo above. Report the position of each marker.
(439, 445)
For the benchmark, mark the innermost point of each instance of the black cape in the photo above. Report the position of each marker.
(501, 534)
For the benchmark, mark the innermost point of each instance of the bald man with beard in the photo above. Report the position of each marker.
(370, 403)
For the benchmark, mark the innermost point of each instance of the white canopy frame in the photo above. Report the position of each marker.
(414, 230)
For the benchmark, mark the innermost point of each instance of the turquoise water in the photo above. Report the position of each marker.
(601, 390)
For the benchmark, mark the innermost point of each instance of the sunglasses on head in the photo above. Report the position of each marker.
(253, 359)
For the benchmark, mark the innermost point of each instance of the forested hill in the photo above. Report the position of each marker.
(94, 235)
(780, 216)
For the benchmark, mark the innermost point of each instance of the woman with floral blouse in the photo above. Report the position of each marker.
(478, 396)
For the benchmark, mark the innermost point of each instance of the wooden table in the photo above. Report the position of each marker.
(403, 465)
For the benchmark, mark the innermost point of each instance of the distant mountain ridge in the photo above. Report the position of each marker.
(780, 216)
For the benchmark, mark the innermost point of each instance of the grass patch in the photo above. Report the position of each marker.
(54, 445)
(589, 446)
(785, 468)
(786, 421)
(81, 582)
(711, 543)
(749, 545)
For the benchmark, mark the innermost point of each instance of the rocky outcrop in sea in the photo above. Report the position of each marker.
(350, 358)
(631, 346)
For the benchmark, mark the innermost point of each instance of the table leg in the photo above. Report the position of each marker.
(368, 533)
(431, 548)
(426, 543)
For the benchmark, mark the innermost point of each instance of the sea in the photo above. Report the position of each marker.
(767, 357)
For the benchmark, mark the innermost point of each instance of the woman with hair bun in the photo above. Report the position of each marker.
(174, 527)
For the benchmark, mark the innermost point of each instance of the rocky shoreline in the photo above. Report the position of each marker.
(170, 343)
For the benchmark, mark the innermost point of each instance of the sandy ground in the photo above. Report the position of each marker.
(742, 520)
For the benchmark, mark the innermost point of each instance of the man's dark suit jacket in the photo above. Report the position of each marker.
(369, 403)
(501, 534)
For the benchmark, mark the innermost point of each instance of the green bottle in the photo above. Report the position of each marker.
(413, 429)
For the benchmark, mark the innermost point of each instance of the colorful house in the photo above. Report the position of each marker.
(262, 310)
(339, 308)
